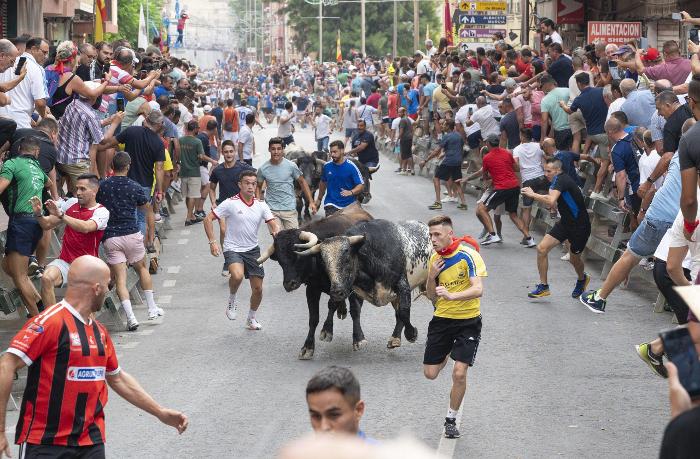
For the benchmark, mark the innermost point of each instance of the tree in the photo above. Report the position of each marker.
(378, 26)
(128, 18)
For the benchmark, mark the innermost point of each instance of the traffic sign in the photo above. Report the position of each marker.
(482, 6)
(479, 33)
(473, 19)
(464, 47)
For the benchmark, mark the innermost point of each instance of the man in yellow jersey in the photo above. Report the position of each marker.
(455, 288)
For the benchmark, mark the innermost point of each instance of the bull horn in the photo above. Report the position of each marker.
(372, 170)
(267, 254)
(310, 238)
(311, 251)
(320, 162)
(356, 239)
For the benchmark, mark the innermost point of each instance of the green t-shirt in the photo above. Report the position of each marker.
(550, 104)
(343, 78)
(27, 180)
(190, 149)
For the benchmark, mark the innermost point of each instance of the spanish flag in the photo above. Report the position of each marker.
(100, 18)
(338, 52)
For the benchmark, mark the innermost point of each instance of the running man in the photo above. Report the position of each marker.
(70, 357)
(455, 288)
(341, 178)
(243, 215)
(574, 226)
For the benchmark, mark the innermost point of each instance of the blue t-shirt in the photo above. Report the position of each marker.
(452, 143)
(161, 91)
(345, 176)
(413, 102)
(253, 101)
(568, 166)
(121, 196)
(624, 159)
(666, 202)
(594, 109)
(280, 102)
(428, 92)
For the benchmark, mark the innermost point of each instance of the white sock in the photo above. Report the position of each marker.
(126, 305)
(232, 298)
(150, 301)
(452, 414)
(251, 314)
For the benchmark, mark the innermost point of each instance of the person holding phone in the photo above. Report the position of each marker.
(30, 93)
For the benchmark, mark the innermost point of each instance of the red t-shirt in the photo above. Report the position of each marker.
(393, 102)
(373, 99)
(498, 162)
(523, 68)
(76, 244)
(66, 393)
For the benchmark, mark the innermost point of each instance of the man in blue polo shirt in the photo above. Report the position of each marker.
(341, 178)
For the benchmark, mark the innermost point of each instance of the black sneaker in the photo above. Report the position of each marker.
(451, 430)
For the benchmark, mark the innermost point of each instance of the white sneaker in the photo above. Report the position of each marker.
(155, 313)
(231, 311)
(252, 324)
(598, 196)
(225, 273)
(491, 239)
(132, 324)
(530, 242)
(447, 199)
(565, 257)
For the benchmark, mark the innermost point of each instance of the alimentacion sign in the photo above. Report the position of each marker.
(618, 33)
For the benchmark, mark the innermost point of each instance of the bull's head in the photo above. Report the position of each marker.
(284, 251)
(339, 255)
(310, 168)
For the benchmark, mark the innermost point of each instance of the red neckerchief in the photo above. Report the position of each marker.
(455, 243)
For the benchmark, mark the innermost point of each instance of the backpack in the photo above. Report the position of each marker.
(53, 82)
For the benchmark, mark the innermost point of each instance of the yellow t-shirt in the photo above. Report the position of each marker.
(460, 265)
(440, 99)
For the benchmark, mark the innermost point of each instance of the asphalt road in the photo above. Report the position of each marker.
(550, 379)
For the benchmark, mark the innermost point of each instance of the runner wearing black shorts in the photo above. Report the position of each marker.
(450, 169)
(454, 286)
(574, 226)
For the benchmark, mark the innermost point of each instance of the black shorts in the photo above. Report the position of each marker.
(444, 172)
(457, 337)
(474, 139)
(23, 234)
(61, 452)
(248, 259)
(509, 197)
(288, 140)
(563, 139)
(576, 235)
(405, 146)
(539, 185)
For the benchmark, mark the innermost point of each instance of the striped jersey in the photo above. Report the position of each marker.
(461, 265)
(66, 392)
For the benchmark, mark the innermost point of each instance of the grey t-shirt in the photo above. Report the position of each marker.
(509, 124)
(280, 180)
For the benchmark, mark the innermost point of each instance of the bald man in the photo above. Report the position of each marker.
(70, 356)
(569, 159)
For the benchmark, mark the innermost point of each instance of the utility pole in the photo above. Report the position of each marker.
(362, 31)
(320, 32)
(416, 29)
(255, 29)
(525, 24)
(395, 50)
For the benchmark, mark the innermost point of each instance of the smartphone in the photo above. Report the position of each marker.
(105, 68)
(676, 16)
(680, 349)
(120, 105)
(444, 86)
(471, 110)
(20, 64)
(693, 36)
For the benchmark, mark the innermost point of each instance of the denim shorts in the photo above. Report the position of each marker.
(647, 236)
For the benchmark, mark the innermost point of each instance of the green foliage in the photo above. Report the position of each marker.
(128, 19)
(378, 22)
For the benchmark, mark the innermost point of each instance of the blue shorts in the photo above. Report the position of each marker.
(23, 234)
(647, 236)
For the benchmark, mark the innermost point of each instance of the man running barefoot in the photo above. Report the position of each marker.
(574, 226)
(243, 215)
(455, 288)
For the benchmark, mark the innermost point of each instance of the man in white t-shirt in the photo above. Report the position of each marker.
(30, 93)
(322, 128)
(243, 215)
(530, 159)
(286, 126)
(246, 140)
(649, 160)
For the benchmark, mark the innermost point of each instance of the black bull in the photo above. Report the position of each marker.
(309, 270)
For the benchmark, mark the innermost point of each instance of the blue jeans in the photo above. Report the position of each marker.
(141, 216)
(647, 236)
(322, 144)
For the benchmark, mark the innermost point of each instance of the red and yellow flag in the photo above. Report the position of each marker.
(100, 18)
(338, 52)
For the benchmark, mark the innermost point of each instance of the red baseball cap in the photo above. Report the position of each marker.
(651, 54)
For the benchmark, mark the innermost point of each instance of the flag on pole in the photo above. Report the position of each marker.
(142, 41)
(338, 51)
(100, 18)
(448, 24)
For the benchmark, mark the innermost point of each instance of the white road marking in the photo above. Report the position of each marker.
(446, 446)
(173, 269)
(169, 283)
(185, 232)
(182, 241)
(164, 299)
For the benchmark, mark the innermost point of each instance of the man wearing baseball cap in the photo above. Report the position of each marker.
(674, 67)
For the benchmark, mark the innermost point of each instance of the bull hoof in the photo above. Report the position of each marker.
(306, 354)
(342, 313)
(325, 336)
(359, 345)
(393, 343)
(411, 335)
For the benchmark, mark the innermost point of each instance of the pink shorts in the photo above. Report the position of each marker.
(123, 249)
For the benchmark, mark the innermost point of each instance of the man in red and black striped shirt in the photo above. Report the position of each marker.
(70, 357)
